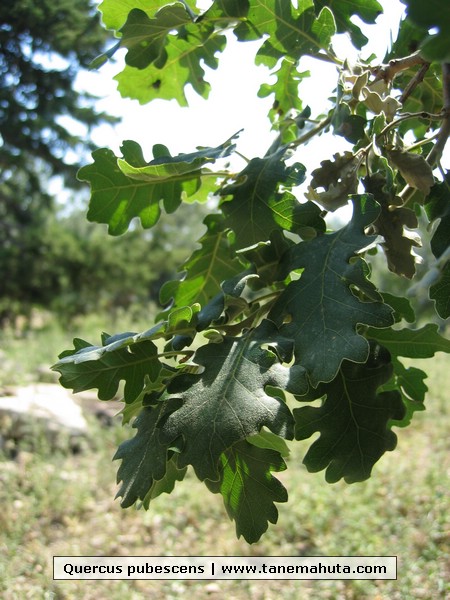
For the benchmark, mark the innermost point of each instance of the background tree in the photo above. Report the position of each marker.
(43, 46)
(276, 308)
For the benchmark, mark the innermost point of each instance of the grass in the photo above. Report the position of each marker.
(57, 503)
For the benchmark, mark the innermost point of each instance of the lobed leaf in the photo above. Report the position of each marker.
(440, 292)
(144, 459)
(437, 206)
(291, 31)
(410, 382)
(285, 90)
(249, 489)
(257, 208)
(146, 37)
(413, 343)
(390, 224)
(414, 169)
(321, 310)
(338, 178)
(213, 263)
(104, 368)
(353, 420)
(433, 15)
(114, 14)
(122, 189)
(344, 12)
(227, 402)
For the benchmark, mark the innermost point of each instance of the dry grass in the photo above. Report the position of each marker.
(56, 503)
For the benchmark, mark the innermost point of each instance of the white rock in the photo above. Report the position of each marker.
(51, 404)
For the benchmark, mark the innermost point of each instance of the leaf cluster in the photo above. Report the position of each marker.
(274, 308)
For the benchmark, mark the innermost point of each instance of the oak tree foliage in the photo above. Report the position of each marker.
(276, 307)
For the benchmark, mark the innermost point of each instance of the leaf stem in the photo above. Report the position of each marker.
(414, 82)
(396, 65)
(406, 116)
(328, 57)
(311, 133)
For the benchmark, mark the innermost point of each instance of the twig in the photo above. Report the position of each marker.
(311, 133)
(394, 66)
(418, 78)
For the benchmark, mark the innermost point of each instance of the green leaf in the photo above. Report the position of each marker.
(167, 50)
(349, 126)
(249, 489)
(228, 401)
(144, 458)
(414, 169)
(321, 310)
(437, 206)
(184, 65)
(425, 97)
(214, 262)
(390, 224)
(410, 382)
(166, 484)
(291, 31)
(440, 292)
(408, 39)
(430, 15)
(353, 421)
(152, 389)
(413, 343)
(265, 257)
(268, 440)
(338, 178)
(122, 189)
(344, 10)
(226, 10)
(103, 368)
(401, 306)
(436, 47)
(114, 13)
(257, 207)
(226, 300)
(324, 27)
(285, 89)
(166, 168)
(145, 37)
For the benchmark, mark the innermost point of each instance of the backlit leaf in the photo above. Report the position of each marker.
(249, 489)
(145, 37)
(413, 343)
(432, 15)
(344, 10)
(144, 458)
(258, 207)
